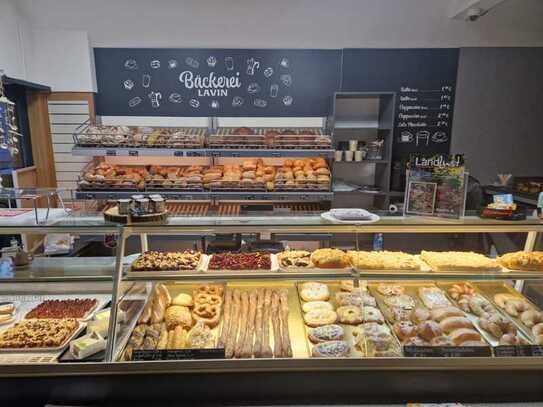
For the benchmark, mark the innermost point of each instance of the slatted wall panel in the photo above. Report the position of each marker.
(65, 117)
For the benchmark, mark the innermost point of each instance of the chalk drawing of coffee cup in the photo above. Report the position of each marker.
(286, 79)
(131, 64)
(128, 84)
(211, 61)
(193, 63)
(274, 90)
(268, 72)
(214, 104)
(439, 137)
(252, 65)
(155, 64)
(194, 103)
(229, 63)
(284, 62)
(146, 80)
(253, 88)
(155, 99)
(287, 100)
(406, 137)
(172, 64)
(134, 101)
(260, 103)
(175, 98)
(237, 101)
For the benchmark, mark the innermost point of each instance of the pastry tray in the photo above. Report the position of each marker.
(157, 273)
(25, 305)
(491, 288)
(411, 289)
(274, 267)
(312, 269)
(424, 268)
(356, 352)
(56, 349)
(475, 319)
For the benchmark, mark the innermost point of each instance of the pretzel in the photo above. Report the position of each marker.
(212, 299)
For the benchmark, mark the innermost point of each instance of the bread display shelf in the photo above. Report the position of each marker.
(130, 136)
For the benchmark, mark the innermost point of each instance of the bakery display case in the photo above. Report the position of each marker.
(316, 301)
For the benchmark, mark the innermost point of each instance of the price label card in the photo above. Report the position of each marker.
(133, 153)
(111, 152)
(506, 351)
(178, 153)
(178, 354)
(447, 351)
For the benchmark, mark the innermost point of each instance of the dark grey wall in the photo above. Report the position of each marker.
(498, 116)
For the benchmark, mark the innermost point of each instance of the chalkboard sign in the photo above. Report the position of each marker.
(215, 82)
(425, 83)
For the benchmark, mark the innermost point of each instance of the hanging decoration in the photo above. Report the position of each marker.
(9, 135)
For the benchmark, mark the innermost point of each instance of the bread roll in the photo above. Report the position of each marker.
(459, 336)
(184, 300)
(429, 330)
(455, 323)
(177, 315)
(439, 314)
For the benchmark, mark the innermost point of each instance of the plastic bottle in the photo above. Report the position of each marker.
(378, 242)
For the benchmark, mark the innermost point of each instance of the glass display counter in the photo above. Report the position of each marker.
(293, 294)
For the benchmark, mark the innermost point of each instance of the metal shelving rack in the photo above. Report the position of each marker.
(359, 116)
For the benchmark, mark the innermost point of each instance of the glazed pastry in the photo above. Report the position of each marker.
(400, 314)
(458, 261)
(372, 314)
(501, 298)
(294, 258)
(457, 290)
(429, 330)
(200, 337)
(497, 325)
(355, 298)
(403, 301)
(350, 315)
(525, 261)
(454, 323)
(331, 349)
(420, 314)
(390, 289)
(462, 335)
(433, 297)
(317, 306)
(314, 292)
(326, 333)
(514, 307)
(404, 330)
(330, 258)
(319, 318)
(509, 340)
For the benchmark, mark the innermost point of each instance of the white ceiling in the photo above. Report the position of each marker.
(287, 23)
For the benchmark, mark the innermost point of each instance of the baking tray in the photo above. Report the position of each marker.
(474, 271)
(424, 268)
(475, 319)
(362, 351)
(162, 273)
(411, 289)
(274, 267)
(56, 349)
(491, 288)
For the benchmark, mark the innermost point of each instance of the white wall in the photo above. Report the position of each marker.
(288, 23)
(11, 56)
(60, 59)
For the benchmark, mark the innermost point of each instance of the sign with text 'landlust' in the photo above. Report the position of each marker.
(215, 82)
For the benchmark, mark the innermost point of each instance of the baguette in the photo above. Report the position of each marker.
(164, 294)
(234, 322)
(258, 323)
(266, 351)
(171, 337)
(285, 336)
(277, 342)
(159, 310)
(247, 349)
(226, 319)
(145, 315)
(179, 337)
(243, 324)
(163, 338)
